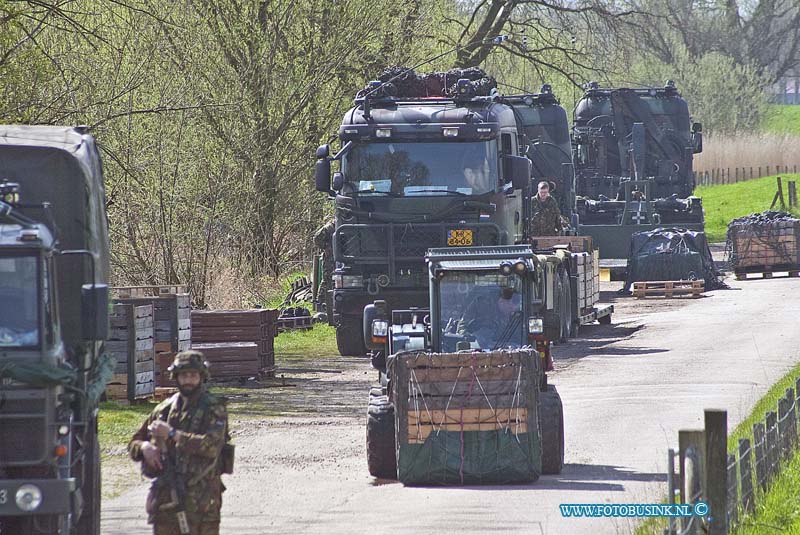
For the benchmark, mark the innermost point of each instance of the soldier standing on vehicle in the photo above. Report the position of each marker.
(546, 219)
(181, 446)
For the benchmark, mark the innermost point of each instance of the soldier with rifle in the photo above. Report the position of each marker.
(183, 446)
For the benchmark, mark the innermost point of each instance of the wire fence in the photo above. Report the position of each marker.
(750, 469)
(731, 175)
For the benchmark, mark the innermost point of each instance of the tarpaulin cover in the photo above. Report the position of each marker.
(44, 375)
(667, 254)
(504, 448)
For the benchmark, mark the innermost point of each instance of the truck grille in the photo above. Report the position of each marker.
(389, 243)
(23, 427)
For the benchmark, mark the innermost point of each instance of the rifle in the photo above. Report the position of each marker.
(173, 479)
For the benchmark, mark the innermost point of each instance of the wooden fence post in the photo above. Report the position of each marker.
(772, 445)
(767, 170)
(692, 448)
(732, 488)
(716, 472)
(751, 173)
(759, 171)
(746, 475)
(760, 446)
(792, 193)
(783, 432)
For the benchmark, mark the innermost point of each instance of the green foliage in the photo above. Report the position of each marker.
(727, 202)
(725, 96)
(117, 423)
(317, 342)
(781, 119)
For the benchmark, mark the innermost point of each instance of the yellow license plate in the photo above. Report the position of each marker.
(459, 238)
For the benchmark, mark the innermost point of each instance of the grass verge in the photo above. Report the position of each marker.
(317, 342)
(777, 511)
(781, 119)
(726, 202)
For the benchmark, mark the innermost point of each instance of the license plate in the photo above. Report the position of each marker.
(459, 238)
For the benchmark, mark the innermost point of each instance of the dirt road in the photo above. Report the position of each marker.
(627, 389)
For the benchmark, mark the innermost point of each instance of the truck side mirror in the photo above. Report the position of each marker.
(338, 181)
(323, 151)
(517, 170)
(94, 311)
(697, 142)
(322, 175)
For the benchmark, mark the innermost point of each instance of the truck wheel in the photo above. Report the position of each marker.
(551, 429)
(381, 458)
(349, 338)
(565, 308)
(89, 522)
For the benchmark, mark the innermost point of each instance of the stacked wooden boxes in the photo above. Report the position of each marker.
(171, 321)
(237, 343)
(587, 267)
(131, 344)
(766, 246)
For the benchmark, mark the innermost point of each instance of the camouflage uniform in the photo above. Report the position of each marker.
(323, 239)
(546, 219)
(201, 424)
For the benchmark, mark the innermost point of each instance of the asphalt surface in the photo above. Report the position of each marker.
(627, 389)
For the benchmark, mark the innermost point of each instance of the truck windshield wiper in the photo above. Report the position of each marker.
(388, 193)
(423, 191)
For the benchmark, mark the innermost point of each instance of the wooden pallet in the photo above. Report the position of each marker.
(668, 289)
(766, 271)
(295, 323)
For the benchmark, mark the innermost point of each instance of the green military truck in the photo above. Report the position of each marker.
(633, 151)
(53, 323)
(437, 160)
(472, 368)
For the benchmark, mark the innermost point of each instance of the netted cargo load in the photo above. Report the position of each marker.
(467, 417)
(764, 242)
(406, 83)
(671, 254)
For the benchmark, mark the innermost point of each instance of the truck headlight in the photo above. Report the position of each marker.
(28, 497)
(380, 328)
(348, 281)
(535, 325)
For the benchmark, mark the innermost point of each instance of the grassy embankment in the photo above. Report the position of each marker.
(776, 511)
(781, 119)
(729, 201)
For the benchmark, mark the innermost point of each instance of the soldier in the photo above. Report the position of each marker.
(181, 445)
(546, 215)
(323, 239)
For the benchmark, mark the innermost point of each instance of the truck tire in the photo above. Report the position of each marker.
(551, 429)
(381, 459)
(565, 306)
(89, 521)
(349, 338)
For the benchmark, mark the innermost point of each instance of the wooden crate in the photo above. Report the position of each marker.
(171, 318)
(576, 244)
(759, 247)
(436, 392)
(668, 289)
(131, 344)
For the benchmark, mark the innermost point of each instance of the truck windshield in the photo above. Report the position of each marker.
(408, 169)
(483, 308)
(19, 302)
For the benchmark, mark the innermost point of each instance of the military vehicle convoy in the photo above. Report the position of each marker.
(633, 151)
(484, 336)
(53, 322)
(438, 160)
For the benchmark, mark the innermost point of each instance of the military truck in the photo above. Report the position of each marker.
(53, 322)
(481, 300)
(431, 161)
(633, 151)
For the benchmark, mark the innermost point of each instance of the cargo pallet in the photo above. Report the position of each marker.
(766, 272)
(295, 323)
(668, 289)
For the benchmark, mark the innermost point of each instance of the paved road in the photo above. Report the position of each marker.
(627, 390)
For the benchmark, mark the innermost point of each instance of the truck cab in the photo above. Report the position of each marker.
(53, 322)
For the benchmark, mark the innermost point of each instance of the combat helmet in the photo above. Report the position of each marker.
(189, 360)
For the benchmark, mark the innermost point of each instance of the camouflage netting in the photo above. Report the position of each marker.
(467, 417)
(667, 254)
(763, 241)
(43, 375)
(435, 84)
